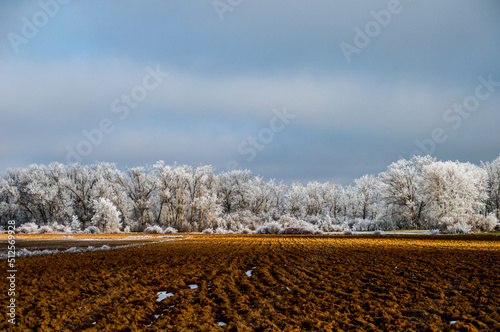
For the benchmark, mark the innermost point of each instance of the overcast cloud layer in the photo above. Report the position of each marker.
(287, 89)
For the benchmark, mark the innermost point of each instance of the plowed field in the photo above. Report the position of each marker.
(265, 283)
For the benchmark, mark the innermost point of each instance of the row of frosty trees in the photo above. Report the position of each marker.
(420, 193)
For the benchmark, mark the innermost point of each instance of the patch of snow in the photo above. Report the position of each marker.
(221, 324)
(453, 322)
(249, 273)
(163, 295)
(194, 286)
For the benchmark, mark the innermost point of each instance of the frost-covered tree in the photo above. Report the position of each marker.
(203, 210)
(453, 189)
(400, 189)
(37, 192)
(333, 207)
(297, 200)
(232, 190)
(107, 217)
(277, 199)
(111, 185)
(367, 189)
(493, 186)
(76, 225)
(81, 184)
(194, 199)
(173, 191)
(317, 198)
(140, 185)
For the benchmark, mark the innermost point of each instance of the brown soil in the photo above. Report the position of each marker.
(298, 283)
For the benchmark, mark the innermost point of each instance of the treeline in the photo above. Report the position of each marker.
(420, 193)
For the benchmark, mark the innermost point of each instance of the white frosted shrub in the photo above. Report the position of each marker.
(434, 232)
(169, 230)
(245, 231)
(106, 216)
(481, 223)
(451, 225)
(58, 228)
(153, 230)
(91, 230)
(270, 228)
(76, 225)
(27, 228)
(45, 230)
(221, 230)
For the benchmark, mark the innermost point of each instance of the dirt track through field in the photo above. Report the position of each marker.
(267, 283)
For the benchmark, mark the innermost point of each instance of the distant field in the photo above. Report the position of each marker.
(63, 242)
(260, 283)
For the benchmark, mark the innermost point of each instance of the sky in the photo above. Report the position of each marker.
(291, 90)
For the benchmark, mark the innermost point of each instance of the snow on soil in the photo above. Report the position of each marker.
(249, 272)
(194, 286)
(163, 295)
(221, 324)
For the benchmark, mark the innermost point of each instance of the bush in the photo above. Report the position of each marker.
(106, 216)
(91, 230)
(340, 227)
(305, 229)
(76, 225)
(169, 230)
(293, 225)
(246, 231)
(363, 225)
(347, 232)
(45, 230)
(434, 232)
(270, 228)
(208, 231)
(451, 225)
(28, 228)
(127, 230)
(153, 230)
(58, 228)
(378, 232)
(221, 230)
(482, 224)
(295, 230)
